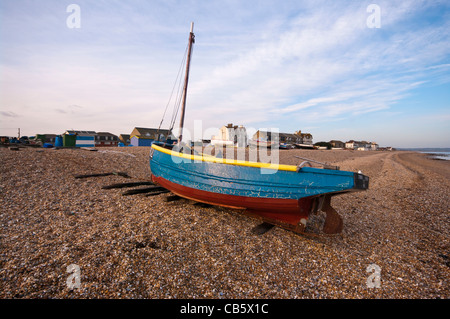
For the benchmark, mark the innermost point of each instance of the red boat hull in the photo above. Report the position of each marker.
(289, 213)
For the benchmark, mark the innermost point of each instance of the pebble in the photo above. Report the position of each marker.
(145, 247)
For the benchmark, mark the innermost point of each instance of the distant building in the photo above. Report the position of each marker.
(361, 145)
(125, 139)
(289, 138)
(46, 138)
(82, 133)
(106, 139)
(73, 138)
(307, 138)
(374, 146)
(265, 139)
(353, 145)
(298, 138)
(141, 136)
(231, 135)
(337, 144)
(365, 146)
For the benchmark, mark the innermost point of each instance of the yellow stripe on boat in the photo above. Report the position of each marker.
(212, 159)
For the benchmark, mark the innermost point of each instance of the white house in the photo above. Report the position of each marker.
(231, 135)
(361, 145)
(351, 145)
(374, 146)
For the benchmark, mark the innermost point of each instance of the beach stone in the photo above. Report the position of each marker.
(146, 247)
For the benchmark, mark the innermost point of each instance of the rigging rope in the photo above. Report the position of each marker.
(177, 104)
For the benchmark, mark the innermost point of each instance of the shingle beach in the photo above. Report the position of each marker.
(145, 247)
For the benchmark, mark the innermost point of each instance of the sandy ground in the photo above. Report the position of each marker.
(396, 234)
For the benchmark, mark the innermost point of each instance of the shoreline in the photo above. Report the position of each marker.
(144, 247)
(437, 156)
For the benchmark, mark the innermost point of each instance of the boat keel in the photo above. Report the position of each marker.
(333, 221)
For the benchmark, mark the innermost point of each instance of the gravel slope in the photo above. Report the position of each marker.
(144, 247)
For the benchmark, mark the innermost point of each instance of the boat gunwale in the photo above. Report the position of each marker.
(272, 166)
(213, 159)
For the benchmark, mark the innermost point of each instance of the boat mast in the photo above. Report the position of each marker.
(186, 79)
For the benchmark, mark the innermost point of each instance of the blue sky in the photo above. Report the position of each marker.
(309, 65)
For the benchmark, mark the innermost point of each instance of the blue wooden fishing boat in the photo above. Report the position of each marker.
(283, 195)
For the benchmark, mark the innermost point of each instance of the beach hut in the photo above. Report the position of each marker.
(141, 136)
(85, 141)
(59, 141)
(73, 138)
(46, 138)
(69, 140)
(124, 139)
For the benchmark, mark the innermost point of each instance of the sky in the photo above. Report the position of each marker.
(373, 70)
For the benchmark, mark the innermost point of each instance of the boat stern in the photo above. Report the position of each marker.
(360, 181)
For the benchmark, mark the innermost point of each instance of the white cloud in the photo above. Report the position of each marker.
(308, 60)
(339, 60)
